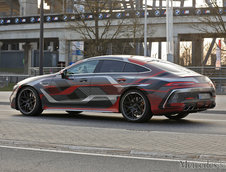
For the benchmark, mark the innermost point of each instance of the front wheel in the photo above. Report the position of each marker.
(135, 106)
(177, 116)
(28, 102)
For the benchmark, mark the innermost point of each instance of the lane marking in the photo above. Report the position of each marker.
(101, 155)
(83, 153)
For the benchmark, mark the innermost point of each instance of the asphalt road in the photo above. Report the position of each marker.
(99, 142)
(209, 122)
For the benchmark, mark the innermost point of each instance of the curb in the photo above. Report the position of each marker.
(4, 103)
(113, 151)
(223, 112)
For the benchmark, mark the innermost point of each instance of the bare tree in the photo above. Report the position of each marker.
(97, 27)
(134, 31)
(212, 26)
(137, 31)
(102, 25)
(215, 21)
(185, 55)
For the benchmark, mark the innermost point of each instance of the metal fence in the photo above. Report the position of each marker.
(50, 59)
(209, 71)
(5, 79)
(46, 70)
(12, 62)
(217, 76)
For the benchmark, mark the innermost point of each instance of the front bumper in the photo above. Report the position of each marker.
(12, 100)
(12, 97)
(190, 99)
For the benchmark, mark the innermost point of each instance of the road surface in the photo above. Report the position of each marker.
(99, 142)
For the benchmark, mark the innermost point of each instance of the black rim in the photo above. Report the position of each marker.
(133, 106)
(27, 101)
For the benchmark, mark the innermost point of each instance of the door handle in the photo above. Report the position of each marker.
(121, 80)
(83, 80)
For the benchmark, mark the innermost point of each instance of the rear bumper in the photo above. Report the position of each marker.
(188, 100)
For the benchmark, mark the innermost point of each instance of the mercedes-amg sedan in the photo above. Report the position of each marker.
(136, 86)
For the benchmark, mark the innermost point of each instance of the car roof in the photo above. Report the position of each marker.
(124, 58)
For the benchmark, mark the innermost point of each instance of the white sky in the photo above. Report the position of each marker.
(187, 3)
(45, 5)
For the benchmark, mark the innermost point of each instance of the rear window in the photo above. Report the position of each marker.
(170, 67)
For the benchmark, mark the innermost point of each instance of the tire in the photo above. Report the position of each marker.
(135, 106)
(28, 102)
(74, 112)
(177, 116)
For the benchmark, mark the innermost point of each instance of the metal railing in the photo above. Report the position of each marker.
(34, 71)
(5, 79)
(209, 71)
(218, 76)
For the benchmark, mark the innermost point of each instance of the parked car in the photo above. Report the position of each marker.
(138, 87)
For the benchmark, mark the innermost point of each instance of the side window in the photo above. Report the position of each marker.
(130, 68)
(111, 66)
(86, 67)
(134, 68)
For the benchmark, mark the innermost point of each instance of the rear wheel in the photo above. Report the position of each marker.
(177, 116)
(29, 102)
(135, 106)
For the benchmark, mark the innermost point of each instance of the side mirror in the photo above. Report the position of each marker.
(64, 74)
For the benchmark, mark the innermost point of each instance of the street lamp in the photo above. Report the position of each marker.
(145, 29)
(41, 39)
(169, 30)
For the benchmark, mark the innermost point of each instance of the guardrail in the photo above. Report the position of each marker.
(34, 71)
(209, 71)
(220, 84)
(5, 79)
(217, 76)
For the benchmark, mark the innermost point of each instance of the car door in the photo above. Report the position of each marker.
(108, 83)
(73, 89)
